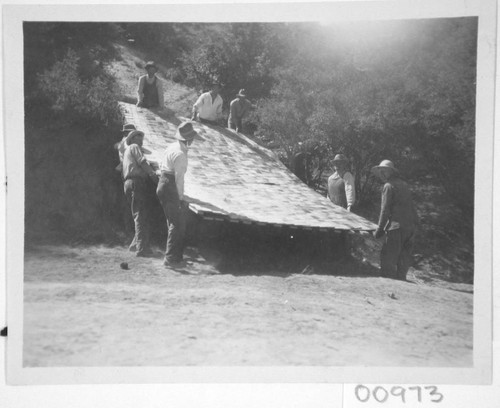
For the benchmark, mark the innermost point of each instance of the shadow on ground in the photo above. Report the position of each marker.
(240, 249)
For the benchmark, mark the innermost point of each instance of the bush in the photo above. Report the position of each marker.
(92, 99)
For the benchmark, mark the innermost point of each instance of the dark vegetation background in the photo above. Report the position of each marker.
(402, 90)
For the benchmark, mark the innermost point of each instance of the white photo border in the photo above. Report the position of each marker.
(13, 18)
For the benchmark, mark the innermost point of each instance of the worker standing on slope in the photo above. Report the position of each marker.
(341, 188)
(238, 108)
(208, 107)
(397, 222)
(150, 89)
(122, 145)
(135, 173)
(170, 192)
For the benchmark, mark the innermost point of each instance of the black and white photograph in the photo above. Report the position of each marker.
(296, 196)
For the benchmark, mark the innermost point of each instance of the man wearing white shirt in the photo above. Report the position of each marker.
(341, 188)
(170, 191)
(208, 107)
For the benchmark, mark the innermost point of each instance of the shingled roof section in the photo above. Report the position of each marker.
(230, 177)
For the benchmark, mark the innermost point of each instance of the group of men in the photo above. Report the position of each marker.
(170, 189)
(397, 220)
(207, 108)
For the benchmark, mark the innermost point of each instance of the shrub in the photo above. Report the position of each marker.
(94, 98)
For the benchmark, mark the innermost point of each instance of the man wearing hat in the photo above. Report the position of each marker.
(150, 89)
(208, 107)
(170, 191)
(121, 145)
(238, 108)
(397, 222)
(135, 173)
(341, 188)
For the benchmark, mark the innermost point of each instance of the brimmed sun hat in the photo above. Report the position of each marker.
(128, 127)
(185, 132)
(151, 64)
(384, 164)
(242, 93)
(133, 134)
(340, 158)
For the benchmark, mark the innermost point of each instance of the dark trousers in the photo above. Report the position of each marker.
(235, 125)
(176, 223)
(135, 192)
(396, 254)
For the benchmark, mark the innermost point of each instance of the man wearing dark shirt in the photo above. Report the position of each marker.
(238, 108)
(150, 89)
(397, 222)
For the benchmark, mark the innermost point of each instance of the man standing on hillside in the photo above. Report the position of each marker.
(208, 107)
(122, 145)
(150, 89)
(397, 222)
(170, 191)
(238, 108)
(341, 189)
(135, 172)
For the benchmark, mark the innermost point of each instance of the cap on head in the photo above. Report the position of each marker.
(384, 164)
(132, 135)
(185, 132)
(128, 127)
(242, 93)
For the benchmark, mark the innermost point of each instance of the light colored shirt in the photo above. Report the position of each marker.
(175, 161)
(350, 189)
(159, 87)
(132, 160)
(207, 108)
(122, 146)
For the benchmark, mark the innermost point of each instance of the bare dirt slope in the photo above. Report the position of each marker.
(178, 98)
(82, 309)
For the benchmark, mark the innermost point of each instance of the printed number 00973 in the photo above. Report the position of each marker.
(380, 394)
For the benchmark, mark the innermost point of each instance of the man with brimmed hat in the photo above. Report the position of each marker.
(150, 88)
(170, 191)
(238, 108)
(208, 107)
(341, 188)
(397, 223)
(136, 171)
(121, 145)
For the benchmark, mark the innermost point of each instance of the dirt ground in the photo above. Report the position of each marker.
(82, 309)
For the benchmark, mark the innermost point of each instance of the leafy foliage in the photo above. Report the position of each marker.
(238, 55)
(94, 98)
